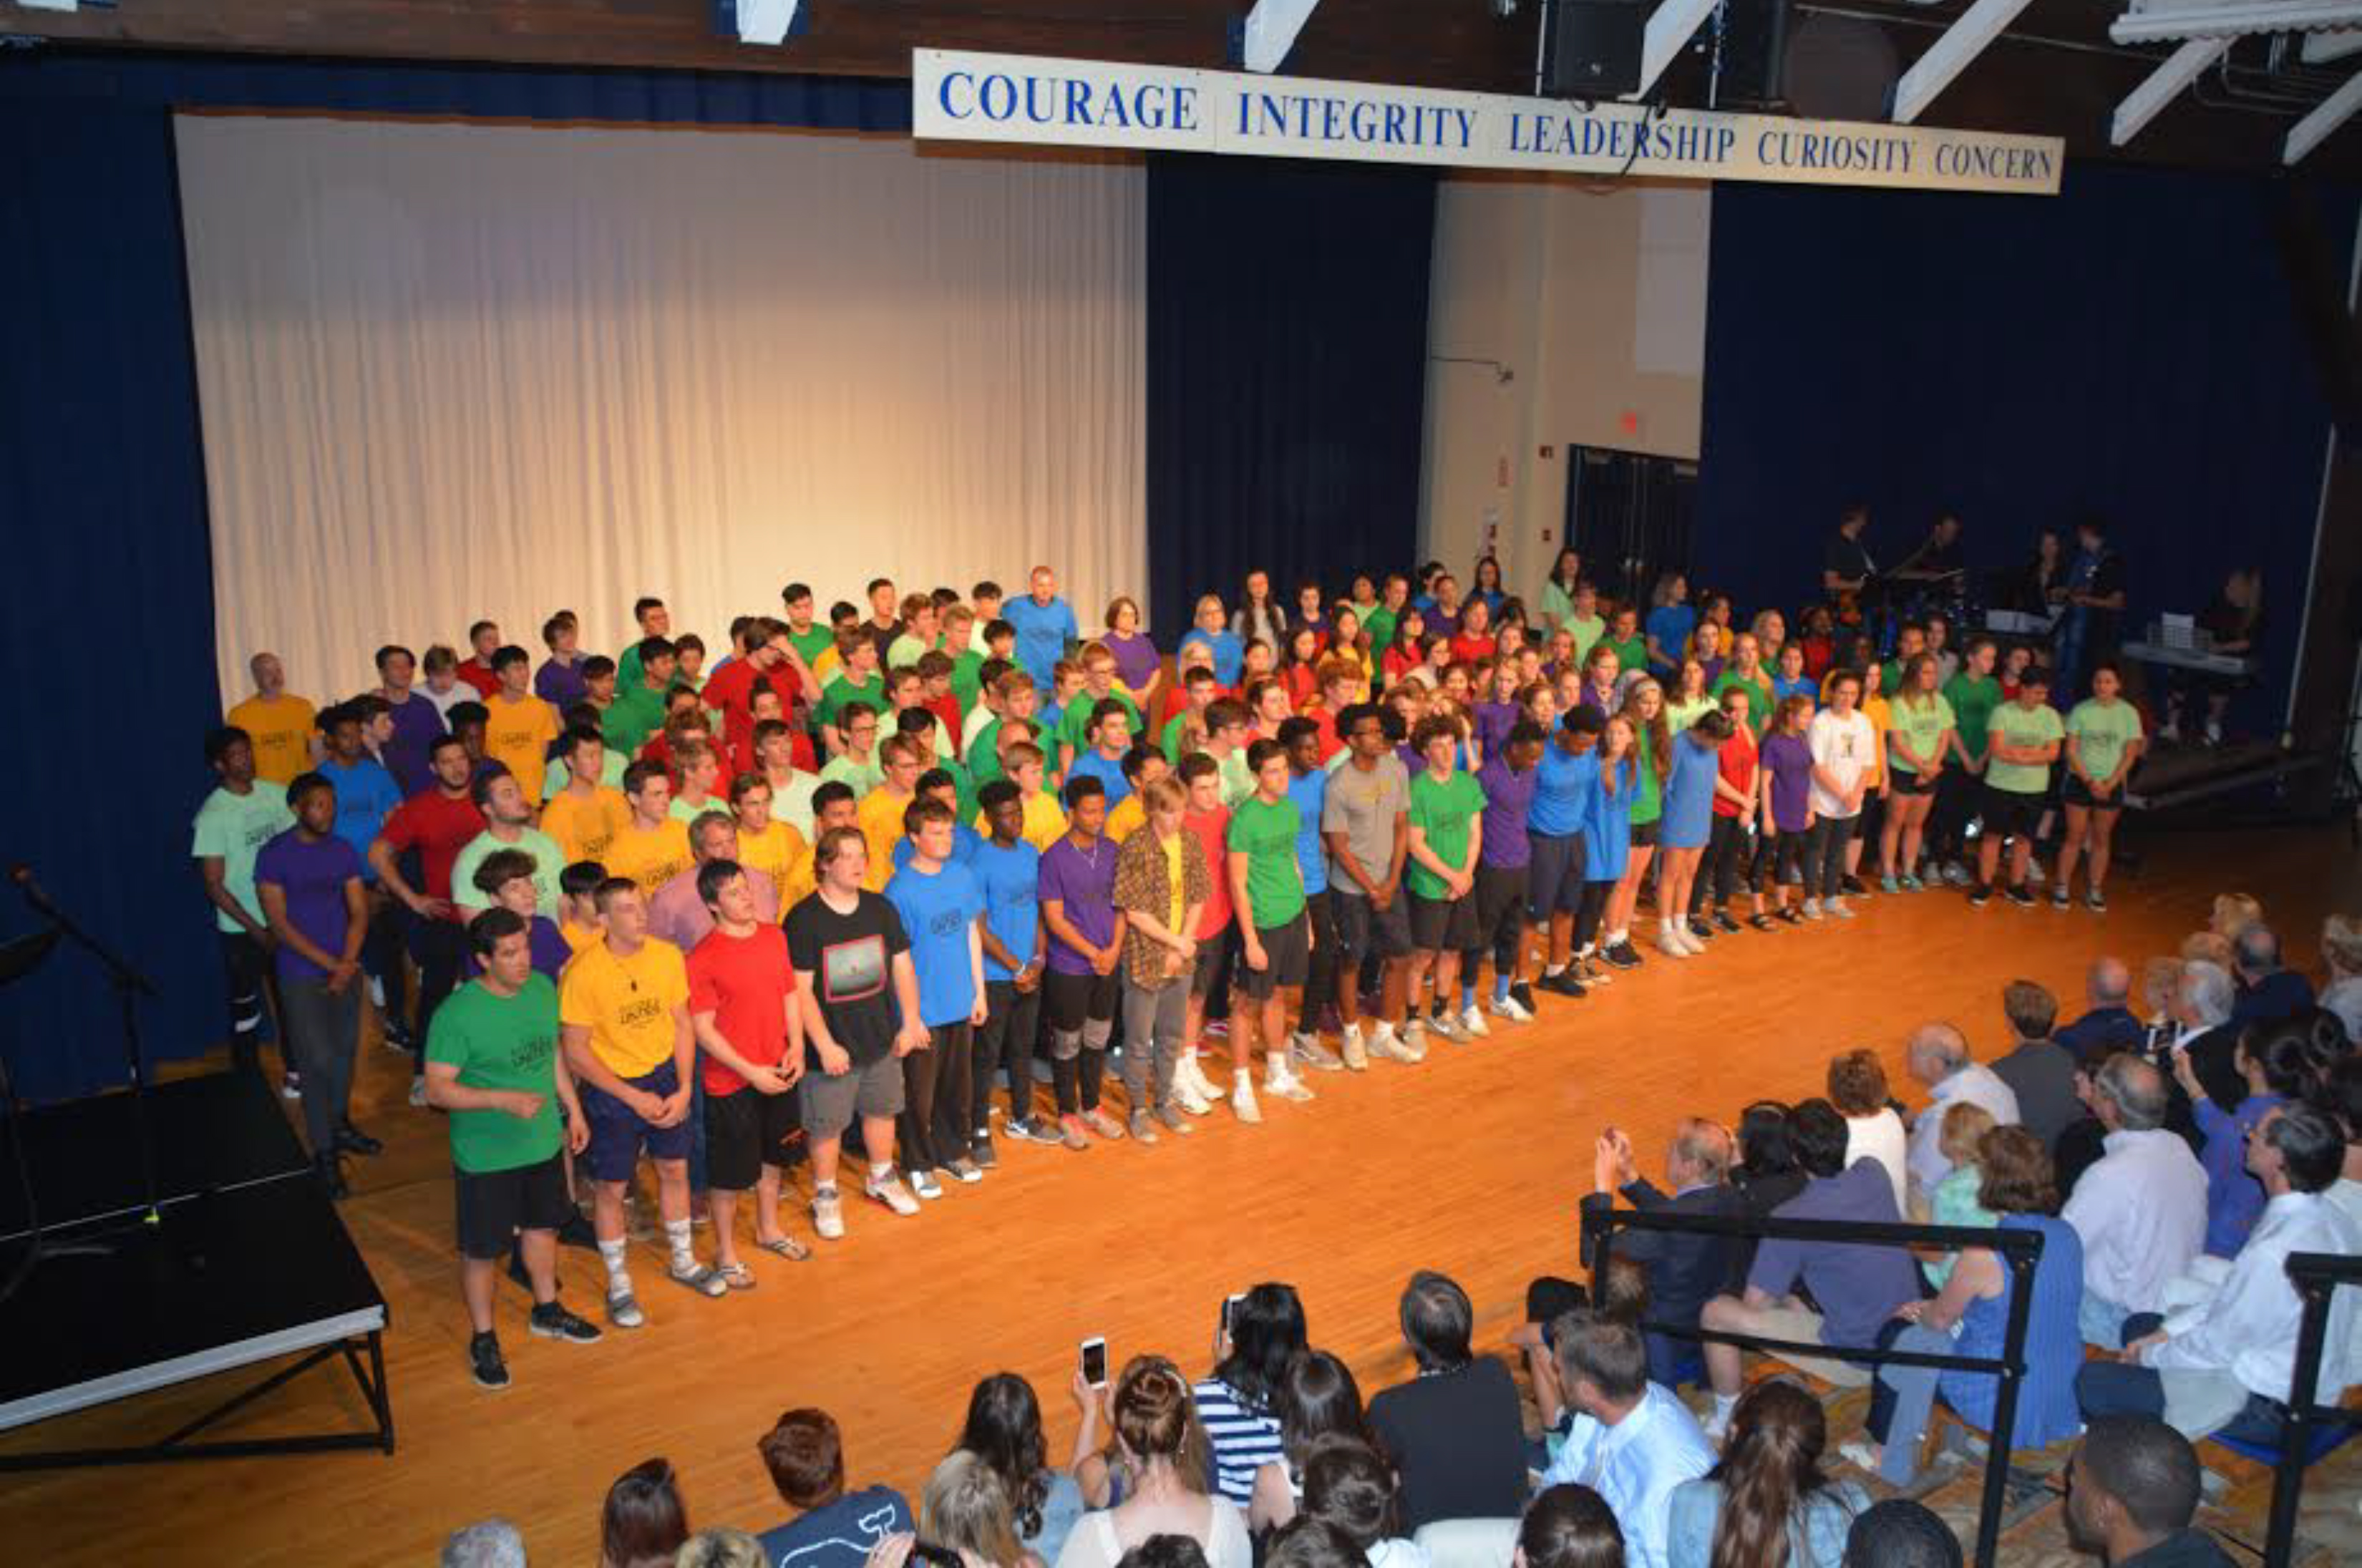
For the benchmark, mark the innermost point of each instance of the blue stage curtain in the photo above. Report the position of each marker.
(109, 628)
(2129, 347)
(1287, 373)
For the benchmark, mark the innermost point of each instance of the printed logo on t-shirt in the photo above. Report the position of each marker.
(637, 1011)
(850, 971)
(535, 1051)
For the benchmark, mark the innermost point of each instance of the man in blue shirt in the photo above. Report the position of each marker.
(1110, 736)
(1307, 786)
(1009, 870)
(940, 901)
(2110, 1026)
(1633, 1440)
(367, 795)
(1858, 1285)
(832, 1528)
(1566, 788)
(1046, 625)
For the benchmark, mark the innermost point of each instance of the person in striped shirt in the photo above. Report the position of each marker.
(1237, 1403)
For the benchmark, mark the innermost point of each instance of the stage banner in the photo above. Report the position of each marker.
(961, 96)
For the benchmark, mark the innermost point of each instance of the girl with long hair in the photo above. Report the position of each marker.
(1318, 1398)
(1238, 1403)
(1606, 843)
(1162, 1449)
(1691, 700)
(1686, 826)
(1600, 674)
(1399, 658)
(1707, 644)
(1768, 1504)
(2103, 742)
(1670, 621)
(643, 1521)
(1299, 671)
(1004, 1430)
(1558, 590)
(964, 1509)
(1919, 730)
(1257, 614)
(1652, 751)
(1487, 578)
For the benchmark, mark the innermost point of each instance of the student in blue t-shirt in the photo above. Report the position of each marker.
(1670, 623)
(1008, 870)
(1307, 786)
(832, 1528)
(1109, 736)
(367, 795)
(1046, 625)
(937, 784)
(940, 901)
(1607, 835)
(1566, 792)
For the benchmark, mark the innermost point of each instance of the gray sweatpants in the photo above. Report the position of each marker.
(1151, 1039)
(324, 1030)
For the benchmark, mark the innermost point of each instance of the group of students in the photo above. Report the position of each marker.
(846, 878)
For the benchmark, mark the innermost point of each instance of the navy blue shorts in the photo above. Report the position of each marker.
(618, 1133)
(1554, 881)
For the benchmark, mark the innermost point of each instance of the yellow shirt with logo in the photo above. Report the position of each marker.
(585, 828)
(649, 856)
(627, 1004)
(518, 736)
(879, 817)
(773, 851)
(281, 728)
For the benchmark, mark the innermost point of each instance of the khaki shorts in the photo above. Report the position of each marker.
(1795, 1324)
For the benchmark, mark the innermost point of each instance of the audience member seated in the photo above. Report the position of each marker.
(1767, 1503)
(1970, 1318)
(2226, 1365)
(2110, 1025)
(1619, 1291)
(964, 1509)
(2038, 1070)
(720, 1547)
(1767, 1174)
(1236, 1404)
(2273, 1068)
(1568, 1526)
(831, 1529)
(643, 1522)
(2132, 1490)
(1348, 1484)
(1955, 1200)
(489, 1543)
(1938, 1055)
(2205, 1034)
(1164, 1451)
(1633, 1439)
(1165, 1551)
(1318, 1398)
(1685, 1272)
(1858, 1285)
(1874, 1130)
(2267, 992)
(2141, 1211)
(1900, 1533)
(1004, 1430)
(1313, 1543)
(2341, 952)
(1455, 1432)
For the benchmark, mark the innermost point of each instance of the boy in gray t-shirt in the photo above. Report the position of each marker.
(1362, 823)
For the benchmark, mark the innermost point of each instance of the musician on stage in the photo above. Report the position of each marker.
(1846, 565)
(1937, 558)
(2096, 603)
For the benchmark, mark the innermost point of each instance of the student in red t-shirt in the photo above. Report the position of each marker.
(751, 1048)
(476, 669)
(1207, 821)
(437, 823)
(1475, 641)
(1737, 800)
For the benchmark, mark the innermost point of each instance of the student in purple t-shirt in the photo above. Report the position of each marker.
(309, 882)
(1504, 858)
(1786, 768)
(1076, 888)
(417, 723)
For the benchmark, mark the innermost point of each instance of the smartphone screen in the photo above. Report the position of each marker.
(1095, 1361)
(1229, 1308)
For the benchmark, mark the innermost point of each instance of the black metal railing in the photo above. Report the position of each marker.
(2019, 1249)
(2316, 1276)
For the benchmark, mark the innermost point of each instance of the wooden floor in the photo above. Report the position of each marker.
(1471, 1162)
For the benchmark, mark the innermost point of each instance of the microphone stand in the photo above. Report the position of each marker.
(129, 985)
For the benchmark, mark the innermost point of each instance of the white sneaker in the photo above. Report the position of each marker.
(1243, 1106)
(1672, 946)
(1186, 1096)
(376, 993)
(828, 1215)
(1286, 1085)
(1202, 1080)
(1414, 1041)
(1689, 939)
(1353, 1049)
(1447, 1023)
(1812, 908)
(1511, 1008)
(1472, 1022)
(1308, 1049)
(892, 1194)
(1838, 908)
(1385, 1045)
(417, 1093)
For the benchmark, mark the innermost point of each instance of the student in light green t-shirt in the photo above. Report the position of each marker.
(1266, 883)
(1973, 693)
(2104, 741)
(1446, 835)
(2026, 736)
(1919, 728)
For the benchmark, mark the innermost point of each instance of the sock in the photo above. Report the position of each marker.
(1724, 1404)
(824, 1188)
(1245, 1077)
(677, 1234)
(1467, 995)
(1552, 971)
(1500, 987)
(611, 1254)
(879, 1171)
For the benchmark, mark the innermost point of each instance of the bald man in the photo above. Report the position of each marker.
(284, 729)
(2110, 1025)
(1938, 1055)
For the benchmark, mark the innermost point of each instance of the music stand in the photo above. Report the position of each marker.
(19, 958)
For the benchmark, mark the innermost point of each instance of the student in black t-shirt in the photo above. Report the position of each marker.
(1454, 1431)
(860, 1001)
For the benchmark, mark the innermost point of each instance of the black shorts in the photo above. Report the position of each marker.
(1363, 928)
(1069, 1002)
(1214, 961)
(1554, 878)
(2009, 815)
(1644, 835)
(492, 1206)
(747, 1131)
(1287, 956)
(1442, 925)
(1500, 894)
(1911, 783)
(2075, 792)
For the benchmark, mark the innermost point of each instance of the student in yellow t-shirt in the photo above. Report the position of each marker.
(771, 847)
(1143, 765)
(623, 1013)
(880, 814)
(585, 816)
(520, 725)
(577, 905)
(1045, 820)
(653, 847)
(281, 727)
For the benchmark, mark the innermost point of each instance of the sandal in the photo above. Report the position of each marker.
(736, 1276)
(704, 1280)
(787, 1247)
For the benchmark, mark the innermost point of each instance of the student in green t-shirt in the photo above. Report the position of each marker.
(1624, 636)
(492, 1062)
(856, 680)
(1268, 889)
(1974, 692)
(2104, 741)
(808, 637)
(1745, 673)
(1919, 726)
(1652, 748)
(1446, 834)
(2026, 736)
(1073, 735)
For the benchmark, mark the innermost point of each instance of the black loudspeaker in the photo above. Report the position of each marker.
(1593, 49)
(1839, 68)
(1755, 51)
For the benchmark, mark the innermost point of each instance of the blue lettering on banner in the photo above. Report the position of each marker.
(1068, 101)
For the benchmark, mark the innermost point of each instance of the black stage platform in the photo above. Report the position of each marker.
(247, 1261)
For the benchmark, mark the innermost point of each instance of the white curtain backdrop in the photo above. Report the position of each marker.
(459, 371)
